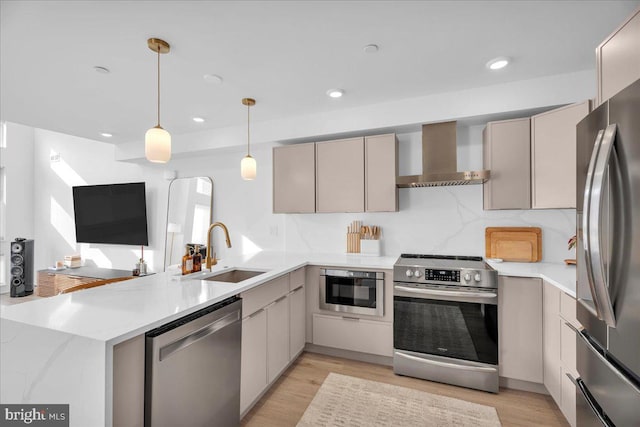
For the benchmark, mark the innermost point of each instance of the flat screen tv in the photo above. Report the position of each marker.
(114, 213)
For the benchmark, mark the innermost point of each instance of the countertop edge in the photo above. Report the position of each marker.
(556, 274)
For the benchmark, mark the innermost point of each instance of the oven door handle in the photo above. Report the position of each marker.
(441, 293)
(445, 364)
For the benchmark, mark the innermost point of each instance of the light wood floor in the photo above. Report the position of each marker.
(286, 401)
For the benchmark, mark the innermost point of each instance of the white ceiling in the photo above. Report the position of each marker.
(285, 54)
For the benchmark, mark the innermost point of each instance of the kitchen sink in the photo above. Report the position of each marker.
(234, 276)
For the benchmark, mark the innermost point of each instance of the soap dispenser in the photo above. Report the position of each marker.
(197, 259)
(187, 262)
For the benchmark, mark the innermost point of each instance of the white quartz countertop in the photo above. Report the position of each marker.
(558, 274)
(122, 310)
(119, 311)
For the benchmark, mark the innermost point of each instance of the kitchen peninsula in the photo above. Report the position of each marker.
(60, 349)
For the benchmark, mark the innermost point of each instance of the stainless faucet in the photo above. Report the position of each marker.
(213, 261)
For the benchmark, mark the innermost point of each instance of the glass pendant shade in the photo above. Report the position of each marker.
(248, 168)
(157, 145)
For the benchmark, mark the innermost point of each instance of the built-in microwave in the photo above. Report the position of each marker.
(348, 291)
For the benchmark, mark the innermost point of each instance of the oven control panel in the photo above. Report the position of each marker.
(446, 276)
(442, 275)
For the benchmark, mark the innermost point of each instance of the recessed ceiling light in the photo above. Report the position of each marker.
(335, 93)
(371, 48)
(101, 70)
(106, 134)
(212, 78)
(498, 63)
(198, 119)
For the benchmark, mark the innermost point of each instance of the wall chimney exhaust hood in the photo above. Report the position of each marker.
(439, 164)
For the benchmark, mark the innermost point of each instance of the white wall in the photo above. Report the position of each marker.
(17, 159)
(81, 162)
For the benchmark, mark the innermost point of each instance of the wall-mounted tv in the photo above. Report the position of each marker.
(114, 213)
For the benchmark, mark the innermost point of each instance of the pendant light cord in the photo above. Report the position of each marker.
(248, 134)
(158, 85)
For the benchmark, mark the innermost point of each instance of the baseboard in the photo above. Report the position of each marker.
(523, 385)
(348, 354)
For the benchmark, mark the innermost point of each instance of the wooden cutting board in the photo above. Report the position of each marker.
(519, 244)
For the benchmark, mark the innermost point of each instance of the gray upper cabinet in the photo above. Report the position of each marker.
(553, 156)
(618, 58)
(507, 149)
(381, 170)
(294, 179)
(340, 175)
(345, 175)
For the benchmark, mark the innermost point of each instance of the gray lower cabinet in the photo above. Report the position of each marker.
(507, 154)
(273, 333)
(560, 349)
(128, 382)
(551, 341)
(520, 328)
(297, 318)
(253, 378)
(277, 337)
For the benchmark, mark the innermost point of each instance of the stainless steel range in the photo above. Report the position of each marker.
(445, 320)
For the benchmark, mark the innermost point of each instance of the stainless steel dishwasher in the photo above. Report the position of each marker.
(192, 371)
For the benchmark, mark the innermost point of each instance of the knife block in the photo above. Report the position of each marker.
(353, 243)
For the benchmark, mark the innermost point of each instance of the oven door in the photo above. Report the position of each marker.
(454, 323)
(359, 292)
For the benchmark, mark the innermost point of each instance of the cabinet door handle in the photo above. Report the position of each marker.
(283, 297)
(252, 315)
(352, 319)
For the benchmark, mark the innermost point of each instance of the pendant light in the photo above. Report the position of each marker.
(157, 141)
(248, 163)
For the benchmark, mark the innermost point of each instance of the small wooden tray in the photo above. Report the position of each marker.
(520, 244)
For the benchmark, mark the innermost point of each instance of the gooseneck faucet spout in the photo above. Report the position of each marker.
(209, 260)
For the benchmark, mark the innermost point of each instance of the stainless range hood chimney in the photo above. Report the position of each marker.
(439, 164)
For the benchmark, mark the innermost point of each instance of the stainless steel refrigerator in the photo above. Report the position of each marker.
(608, 275)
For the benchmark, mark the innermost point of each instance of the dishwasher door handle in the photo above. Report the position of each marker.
(201, 333)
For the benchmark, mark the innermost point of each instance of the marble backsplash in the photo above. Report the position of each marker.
(439, 220)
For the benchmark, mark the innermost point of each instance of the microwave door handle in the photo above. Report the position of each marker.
(586, 244)
(596, 240)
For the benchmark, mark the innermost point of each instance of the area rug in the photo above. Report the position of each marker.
(354, 402)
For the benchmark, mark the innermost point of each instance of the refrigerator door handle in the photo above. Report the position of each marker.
(586, 220)
(587, 397)
(603, 359)
(595, 235)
